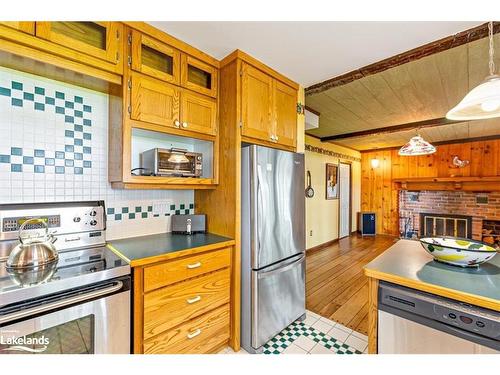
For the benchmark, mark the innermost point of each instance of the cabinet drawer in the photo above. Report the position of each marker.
(200, 335)
(185, 268)
(170, 306)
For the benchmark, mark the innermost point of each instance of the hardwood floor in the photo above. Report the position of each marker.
(336, 287)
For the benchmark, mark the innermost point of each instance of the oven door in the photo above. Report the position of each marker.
(98, 324)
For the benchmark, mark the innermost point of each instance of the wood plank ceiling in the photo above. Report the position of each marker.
(419, 90)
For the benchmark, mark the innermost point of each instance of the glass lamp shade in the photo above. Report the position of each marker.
(481, 102)
(417, 146)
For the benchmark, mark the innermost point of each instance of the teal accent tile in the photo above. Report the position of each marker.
(87, 122)
(69, 119)
(28, 96)
(78, 156)
(78, 142)
(177, 212)
(59, 155)
(87, 136)
(39, 90)
(50, 161)
(4, 91)
(87, 108)
(69, 104)
(60, 170)
(191, 205)
(78, 99)
(131, 215)
(150, 208)
(69, 148)
(50, 101)
(118, 216)
(39, 106)
(17, 102)
(183, 206)
(87, 164)
(18, 151)
(87, 150)
(111, 210)
(156, 215)
(59, 95)
(28, 160)
(144, 215)
(78, 113)
(17, 85)
(39, 169)
(16, 167)
(69, 133)
(138, 209)
(4, 158)
(172, 207)
(69, 163)
(124, 210)
(39, 153)
(186, 212)
(60, 110)
(78, 128)
(78, 170)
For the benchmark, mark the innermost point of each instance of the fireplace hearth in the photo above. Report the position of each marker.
(435, 224)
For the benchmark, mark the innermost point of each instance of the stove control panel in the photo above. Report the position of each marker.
(12, 224)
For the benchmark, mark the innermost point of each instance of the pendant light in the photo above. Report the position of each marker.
(483, 101)
(417, 146)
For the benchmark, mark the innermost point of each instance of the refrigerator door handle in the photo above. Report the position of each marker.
(262, 275)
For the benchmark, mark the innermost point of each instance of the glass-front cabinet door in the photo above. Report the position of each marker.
(98, 39)
(154, 58)
(198, 76)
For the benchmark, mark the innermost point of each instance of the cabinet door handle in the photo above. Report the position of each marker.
(184, 124)
(194, 265)
(276, 138)
(193, 334)
(272, 137)
(193, 300)
(177, 123)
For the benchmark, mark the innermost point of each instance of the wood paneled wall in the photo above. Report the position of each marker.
(380, 195)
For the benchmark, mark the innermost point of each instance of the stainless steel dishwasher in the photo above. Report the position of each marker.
(414, 322)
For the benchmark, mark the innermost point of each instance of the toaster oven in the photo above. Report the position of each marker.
(176, 162)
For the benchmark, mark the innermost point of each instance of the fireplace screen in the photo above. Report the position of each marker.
(445, 225)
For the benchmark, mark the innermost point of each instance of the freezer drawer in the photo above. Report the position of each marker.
(278, 298)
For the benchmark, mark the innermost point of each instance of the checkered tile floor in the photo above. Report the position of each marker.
(315, 335)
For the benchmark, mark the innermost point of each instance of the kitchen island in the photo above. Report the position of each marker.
(186, 292)
(406, 263)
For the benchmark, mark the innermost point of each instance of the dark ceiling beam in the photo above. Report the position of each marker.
(432, 123)
(440, 45)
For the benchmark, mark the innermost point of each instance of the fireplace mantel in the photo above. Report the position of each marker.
(479, 184)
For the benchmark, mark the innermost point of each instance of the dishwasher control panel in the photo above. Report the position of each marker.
(453, 313)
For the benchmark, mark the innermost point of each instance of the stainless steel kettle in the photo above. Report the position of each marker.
(33, 250)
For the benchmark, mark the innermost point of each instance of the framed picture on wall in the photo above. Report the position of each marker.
(332, 186)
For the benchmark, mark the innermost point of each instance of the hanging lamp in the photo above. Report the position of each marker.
(483, 101)
(417, 146)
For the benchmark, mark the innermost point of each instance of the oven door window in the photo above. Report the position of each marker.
(73, 337)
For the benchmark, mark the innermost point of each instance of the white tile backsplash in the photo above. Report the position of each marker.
(36, 117)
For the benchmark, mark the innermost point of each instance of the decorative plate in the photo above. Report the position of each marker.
(461, 252)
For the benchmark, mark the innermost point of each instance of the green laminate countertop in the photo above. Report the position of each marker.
(143, 250)
(407, 263)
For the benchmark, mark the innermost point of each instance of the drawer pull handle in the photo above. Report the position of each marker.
(193, 334)
(193, 300)
(194, 265)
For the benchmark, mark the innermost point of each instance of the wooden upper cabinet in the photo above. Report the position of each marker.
(198, 113)
(154, 101)
(97, 39)
(285, 114)
(198, 76)
(256, 101)
(156, 59)
(24, 26)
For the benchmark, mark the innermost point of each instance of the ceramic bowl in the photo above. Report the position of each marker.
(458, 251)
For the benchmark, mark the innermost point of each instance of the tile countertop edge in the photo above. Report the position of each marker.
(373, 270)
(170, 255)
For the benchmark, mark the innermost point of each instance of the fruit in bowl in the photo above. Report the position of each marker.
(461, 252)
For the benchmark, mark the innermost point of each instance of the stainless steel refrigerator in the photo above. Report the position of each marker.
(272, 243)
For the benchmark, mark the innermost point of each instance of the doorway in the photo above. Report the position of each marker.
(344, 200)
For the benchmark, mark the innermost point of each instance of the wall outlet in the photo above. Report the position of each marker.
(161, 208)
(310, 233)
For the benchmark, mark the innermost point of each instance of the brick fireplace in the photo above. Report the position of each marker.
(480, 207)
